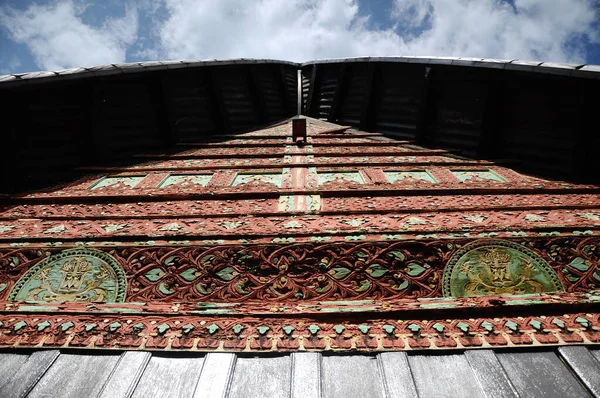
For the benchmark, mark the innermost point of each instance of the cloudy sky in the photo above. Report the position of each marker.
(52, 35)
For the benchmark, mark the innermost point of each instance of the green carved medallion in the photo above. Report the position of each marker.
(78, 275)
(493, 267)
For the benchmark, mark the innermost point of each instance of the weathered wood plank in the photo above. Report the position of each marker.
(75, 376)
(261, 377)
(444, 376)
(488, 370)
(173, 377)
(126, 375)
(398, 379)
(216, 375)
(306, 375)
(351, 377)
(540, 374)
(28, 374)
(584, 365)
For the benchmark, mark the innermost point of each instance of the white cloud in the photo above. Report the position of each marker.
(58, 38)
(301, 30)
(533, 29)
(308, 29)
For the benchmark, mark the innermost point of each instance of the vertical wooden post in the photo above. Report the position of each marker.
(367, 110)
(338, 96)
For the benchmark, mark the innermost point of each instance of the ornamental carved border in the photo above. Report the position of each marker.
(159, 332)
(302, 272)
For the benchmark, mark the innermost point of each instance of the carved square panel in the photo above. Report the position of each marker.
(257, 179)
(352, 177)
(477, 175)
(186, 180)
(409, 176)
(117, 182)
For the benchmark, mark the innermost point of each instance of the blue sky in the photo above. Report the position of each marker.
(52, 35)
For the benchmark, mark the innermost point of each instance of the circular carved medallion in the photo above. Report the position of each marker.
(493, 267)
(78, 275)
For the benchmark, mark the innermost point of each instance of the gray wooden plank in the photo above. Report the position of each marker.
(126, 375)
(444, 376)
(29, 374)
(585, 365)
(10, 363)
(540, 374)
(595, 352)
(171, 377)
(398, 379)
(488, 370)
(75, 376)
(216, 375)
(306, 375)
(351, 376)
(261, 377)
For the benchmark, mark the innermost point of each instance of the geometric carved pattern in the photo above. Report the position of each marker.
(80, 275)
(489, 268)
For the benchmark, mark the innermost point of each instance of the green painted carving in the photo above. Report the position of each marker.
(154, 274)
(438, 327)
(212, 328)
(558, 323)
(389, 329)
(314, 329)
(162, 328)
(77, 275)
(421, 175)
(43, 325)
(288, 329)
(339, 329)
(118, 182)
(237, 329)
(493, 267)
(463, 327)
(19, 325)
(186, 180)
(341, 177)
(263, 329)
(113, 327)
(189, 274)
(537, 325)
(187, 328)
(512, 326)
(487, 326)
(258, 178)
(364, 328)
(466, 175)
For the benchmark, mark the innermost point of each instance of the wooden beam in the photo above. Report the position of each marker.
(312, 88)
(490, 139)
(338, 95)
(215, 100)
(366, 114)
(256, 95)
(165, 110)
(423, 112)
(89, 144)
(585, 166)
(284, 93)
